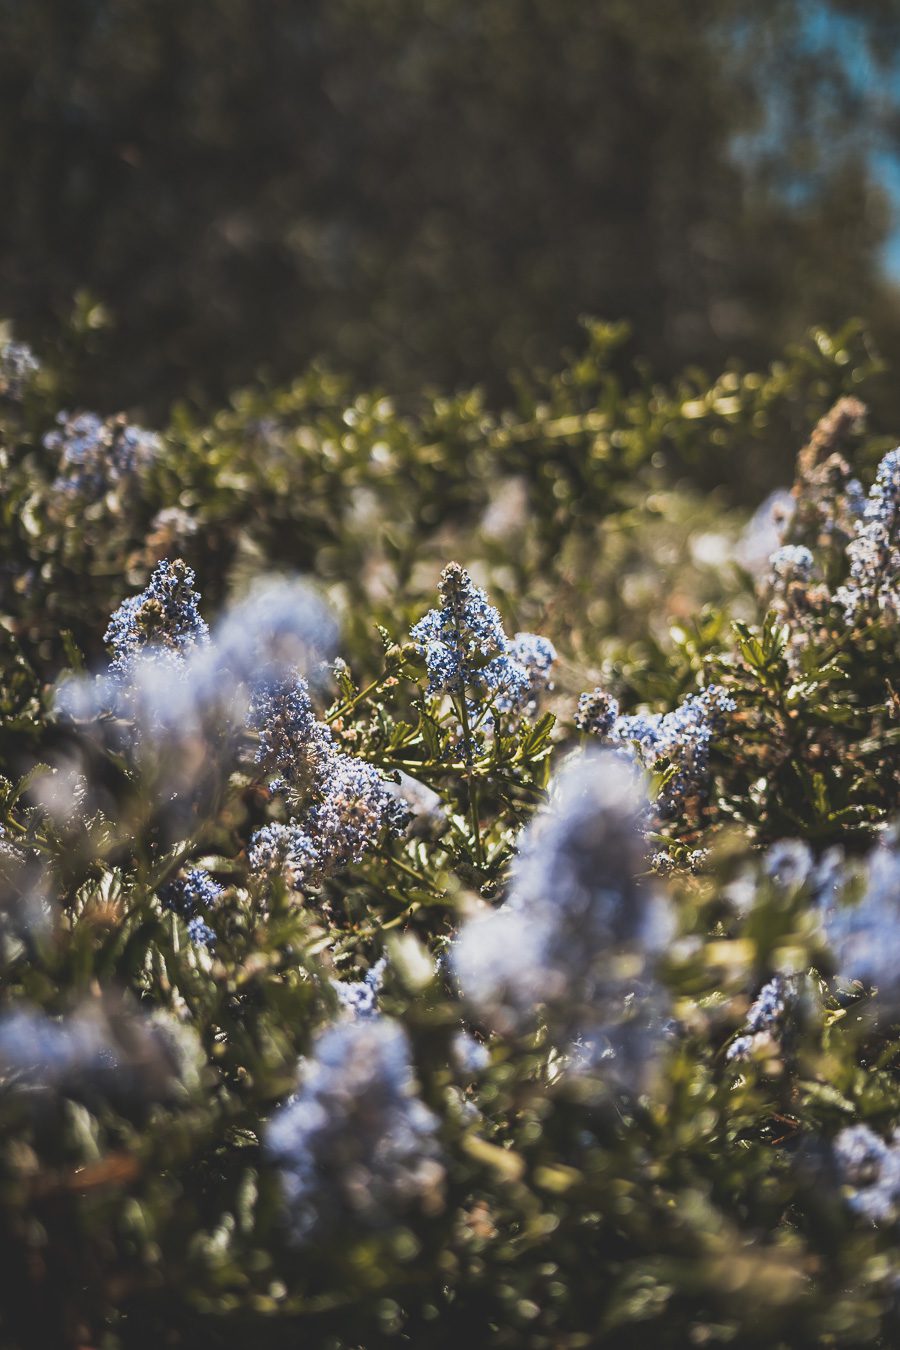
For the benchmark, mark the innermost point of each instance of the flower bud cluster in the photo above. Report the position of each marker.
(465, 648)
(343, 803)
(163, 620)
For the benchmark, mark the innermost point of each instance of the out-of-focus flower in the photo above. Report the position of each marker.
(789, 862)
(97, 455)
(355, 1146)
(18, 367)
(765, 532)
(870, 1171)
(579, 934)
(101, 1050)
(864, 936)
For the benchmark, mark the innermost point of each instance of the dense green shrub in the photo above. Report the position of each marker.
(372, 973)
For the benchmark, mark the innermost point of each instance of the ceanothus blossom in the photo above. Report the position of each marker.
(466, 649)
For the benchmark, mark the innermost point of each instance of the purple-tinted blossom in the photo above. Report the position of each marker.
(869, 1169)
(464, 635)
(578, 934)
(163, 619)
(355, 1146)
(285, 851)
(295, 749)
(355, 809)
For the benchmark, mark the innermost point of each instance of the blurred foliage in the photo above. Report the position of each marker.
(551, 502)
(434, 193)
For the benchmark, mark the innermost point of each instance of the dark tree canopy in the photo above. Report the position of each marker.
(436, 191)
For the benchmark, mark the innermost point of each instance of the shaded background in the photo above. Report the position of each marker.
(433, 191)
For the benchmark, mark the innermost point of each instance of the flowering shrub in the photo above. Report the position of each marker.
(436, 949)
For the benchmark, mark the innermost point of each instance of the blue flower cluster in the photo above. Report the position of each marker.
(535, 655)
(791, 562)
(683, 737)
(343, 803)
(359, 998)
(294, 749)
(192, 895)
(789, 862)
(870, 1171)
(765, 1019)
(578, 934)
(354, 806)
(97, 455)
(285, 851)
(465, 647)
(18, 366)
(162, 620)
(355, 1146)
(52, 1052)
(874, 552)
